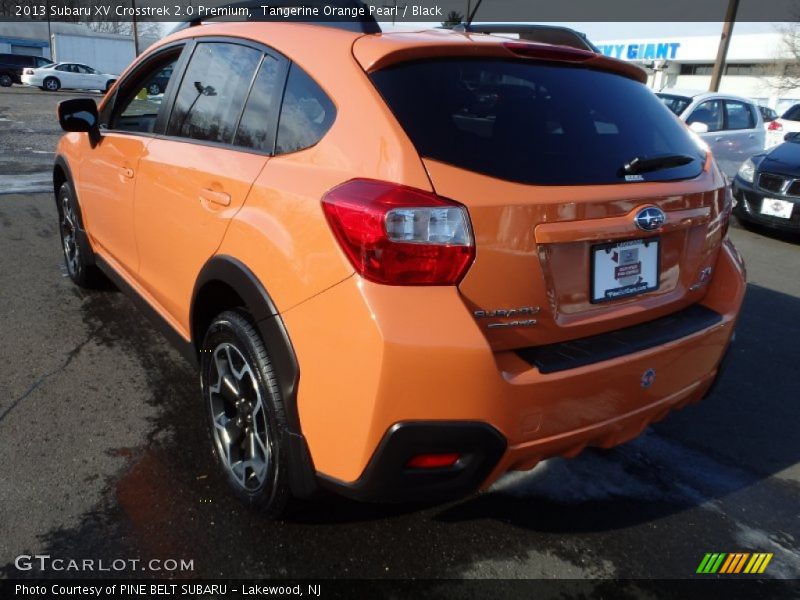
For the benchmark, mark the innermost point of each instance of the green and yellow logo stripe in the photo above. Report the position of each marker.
(735, 562)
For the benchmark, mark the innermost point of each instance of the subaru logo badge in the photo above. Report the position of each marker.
(650, 218)
(648, 377)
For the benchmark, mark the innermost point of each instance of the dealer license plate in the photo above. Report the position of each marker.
(777, 208)
(623, 269)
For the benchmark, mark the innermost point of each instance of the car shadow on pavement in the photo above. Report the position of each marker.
(770, 232)
(169, 502)
(742, 434)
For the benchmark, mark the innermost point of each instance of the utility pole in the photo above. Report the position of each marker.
(724, 42)
(49, 33)
(135, 30)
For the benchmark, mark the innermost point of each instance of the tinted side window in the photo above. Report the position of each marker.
(793, 114)
(306, 114)
(213, 92)
(708, 113)
(740, 115)
(256, 129)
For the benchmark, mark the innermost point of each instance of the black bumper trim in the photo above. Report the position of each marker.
(586, 351)
(387, 479)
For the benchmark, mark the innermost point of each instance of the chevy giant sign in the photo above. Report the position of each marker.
(662, 50)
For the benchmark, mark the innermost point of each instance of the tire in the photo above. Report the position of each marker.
(246, 415)
(110, 83)
(78, 258)
(153, 89)
(51, 84)
(6, 80)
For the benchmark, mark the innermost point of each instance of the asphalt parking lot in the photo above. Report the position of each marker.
(103, 452)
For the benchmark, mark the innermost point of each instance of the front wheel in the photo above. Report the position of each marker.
(109, 84)
(153, 89)
(51, 84)
(77, 257)
(246, 415)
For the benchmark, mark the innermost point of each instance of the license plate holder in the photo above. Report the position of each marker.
(624, 269)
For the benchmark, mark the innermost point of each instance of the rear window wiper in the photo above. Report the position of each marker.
(656, 163)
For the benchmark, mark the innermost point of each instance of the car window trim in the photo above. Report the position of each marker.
(283, 63)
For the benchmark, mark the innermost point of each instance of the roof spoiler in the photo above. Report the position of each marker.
(546, 34)
(227, 12)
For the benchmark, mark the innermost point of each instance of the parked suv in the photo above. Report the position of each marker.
(11, 66)
(410, 262)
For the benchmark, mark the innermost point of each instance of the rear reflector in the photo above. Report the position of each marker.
(399, 235)
(433, 461)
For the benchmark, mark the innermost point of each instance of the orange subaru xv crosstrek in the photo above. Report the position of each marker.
(405, 263)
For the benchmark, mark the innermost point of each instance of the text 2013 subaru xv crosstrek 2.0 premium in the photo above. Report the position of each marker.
(411, 262)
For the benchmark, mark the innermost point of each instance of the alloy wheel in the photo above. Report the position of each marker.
(241, 431)
(69, 236)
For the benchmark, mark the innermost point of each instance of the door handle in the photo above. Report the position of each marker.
(126, 172)
(216, 197)
(718, 139)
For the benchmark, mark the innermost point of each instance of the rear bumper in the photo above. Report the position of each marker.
(429, 364)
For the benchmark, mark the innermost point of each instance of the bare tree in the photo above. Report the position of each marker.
(788, 69)
(452, 19)
(117, 27)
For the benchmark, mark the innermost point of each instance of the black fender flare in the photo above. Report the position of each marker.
(83, 238)
(236, 275)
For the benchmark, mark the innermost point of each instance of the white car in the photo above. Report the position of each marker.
(71, 76)
(732, 126)
(786, 123)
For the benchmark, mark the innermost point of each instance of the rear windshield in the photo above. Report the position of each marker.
(533, 123)
(677, 104)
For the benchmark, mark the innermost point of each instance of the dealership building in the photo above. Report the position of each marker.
(755, 61)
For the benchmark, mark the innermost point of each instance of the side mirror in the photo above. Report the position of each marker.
(792, 136)
(698, 127)
(78, 114)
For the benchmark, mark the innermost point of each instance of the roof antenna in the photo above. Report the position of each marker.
(471, 15)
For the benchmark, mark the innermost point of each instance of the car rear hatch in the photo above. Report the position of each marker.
(534, 140)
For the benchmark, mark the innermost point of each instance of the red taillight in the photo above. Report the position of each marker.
(399, 235)
(28, 71)
(774, 126)
(433, 461)
(548, 51)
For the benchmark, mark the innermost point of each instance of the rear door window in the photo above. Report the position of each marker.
(534, 123)
(739, 115)
(213, 91)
